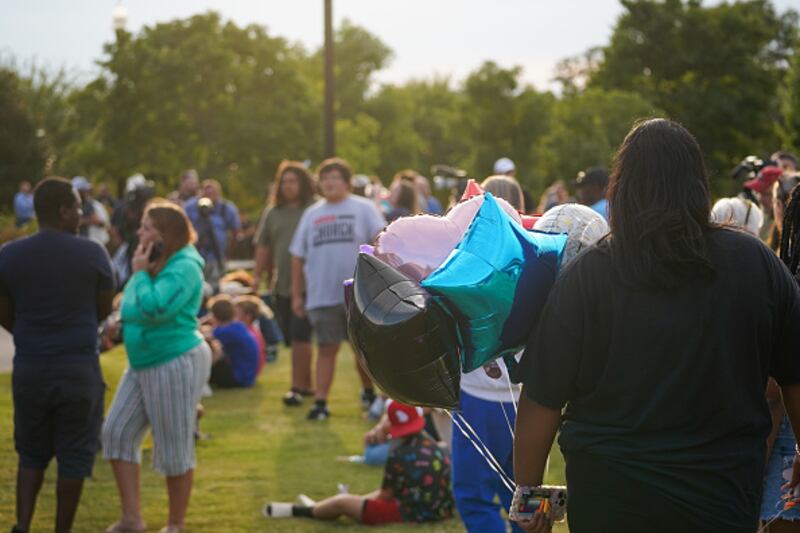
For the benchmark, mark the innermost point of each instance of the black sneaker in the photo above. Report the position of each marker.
(319, 412)
(292, 399)
(367, 397)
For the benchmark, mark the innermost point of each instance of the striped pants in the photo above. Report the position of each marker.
(165, 399)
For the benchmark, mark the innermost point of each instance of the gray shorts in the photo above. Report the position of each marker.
(329, 324)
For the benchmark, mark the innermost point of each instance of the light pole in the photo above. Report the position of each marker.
(119, 17)
(330, 88)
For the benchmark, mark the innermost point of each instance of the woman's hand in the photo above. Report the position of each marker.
(538, 524)
(141, 258)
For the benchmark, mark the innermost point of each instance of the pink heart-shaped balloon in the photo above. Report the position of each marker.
(418, 245)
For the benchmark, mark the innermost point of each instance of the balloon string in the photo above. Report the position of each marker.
(508, 421)
(488, 455)
(511, 391)
(507, 481)
(765, 527)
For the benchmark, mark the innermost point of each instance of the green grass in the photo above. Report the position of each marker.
(258, 450)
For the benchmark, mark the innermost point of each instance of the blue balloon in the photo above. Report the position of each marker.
(495, 283)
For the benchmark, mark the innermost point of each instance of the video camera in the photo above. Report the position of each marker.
(446, 177)
(749, 167)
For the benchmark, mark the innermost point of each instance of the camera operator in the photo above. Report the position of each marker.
(125, 223)
(216, 221)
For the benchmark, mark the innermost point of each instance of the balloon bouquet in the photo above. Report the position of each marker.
(441, 295)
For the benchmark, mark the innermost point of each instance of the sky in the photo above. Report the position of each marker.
(429, 37)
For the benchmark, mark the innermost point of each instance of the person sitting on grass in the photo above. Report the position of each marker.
(416, 482)
(249, 310)
(235, 351)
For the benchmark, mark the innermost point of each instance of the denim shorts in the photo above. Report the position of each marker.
(778, 473)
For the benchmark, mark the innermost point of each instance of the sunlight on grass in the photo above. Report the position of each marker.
(258, 451)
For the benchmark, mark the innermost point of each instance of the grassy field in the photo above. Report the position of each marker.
(258, 450)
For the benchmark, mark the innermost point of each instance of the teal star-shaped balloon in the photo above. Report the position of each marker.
(495, 283)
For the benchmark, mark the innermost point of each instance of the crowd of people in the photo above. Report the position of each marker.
(664, 355)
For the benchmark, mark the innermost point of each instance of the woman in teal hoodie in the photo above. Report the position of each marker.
(169, 364)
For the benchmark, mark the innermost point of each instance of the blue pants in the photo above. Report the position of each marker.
(475, 484)
(376, 454)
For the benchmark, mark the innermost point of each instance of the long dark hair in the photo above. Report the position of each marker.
(303, 175)
(659, 207)
(790, 236)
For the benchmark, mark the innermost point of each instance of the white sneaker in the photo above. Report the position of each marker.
(305, 501)
(277, 510)
(206, 392)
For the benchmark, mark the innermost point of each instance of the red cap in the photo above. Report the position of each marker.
(765, 179)
(473, 189)
(404, 419)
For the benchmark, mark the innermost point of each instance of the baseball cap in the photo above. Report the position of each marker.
(404, 419)
(592, 176)
(504, 165)
(81, 184)
(766, 177)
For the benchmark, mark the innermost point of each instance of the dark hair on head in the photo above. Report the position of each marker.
(407, 197)
(221, 307)
(336, 163)
(49, 196)
(790, 236)
(408, 175)
(786, 155)
(304, 177)
(659, 207)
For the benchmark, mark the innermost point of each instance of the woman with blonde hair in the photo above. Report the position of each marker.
(507, 188)
(169, 364)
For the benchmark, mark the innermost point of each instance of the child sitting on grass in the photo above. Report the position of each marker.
(235, 350)
(249, 309)
(416, 481)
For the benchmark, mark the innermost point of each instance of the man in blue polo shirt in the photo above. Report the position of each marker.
(54, 289)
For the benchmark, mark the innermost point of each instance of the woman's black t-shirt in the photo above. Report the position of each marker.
(669, 385)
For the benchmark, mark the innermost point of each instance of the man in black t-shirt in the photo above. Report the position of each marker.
(53, 307)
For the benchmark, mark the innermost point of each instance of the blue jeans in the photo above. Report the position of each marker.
(377, 454)
(778, 472)
(475, 484)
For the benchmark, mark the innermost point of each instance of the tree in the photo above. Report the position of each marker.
(715, 69)
(789, 127)
(356, 142)
(420, 125)
(206, 94)
(22, 153)
(586, 130)
(502, 119)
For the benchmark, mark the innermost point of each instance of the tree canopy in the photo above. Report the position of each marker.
(232, 101)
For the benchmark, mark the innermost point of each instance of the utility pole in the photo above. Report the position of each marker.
(330, 88)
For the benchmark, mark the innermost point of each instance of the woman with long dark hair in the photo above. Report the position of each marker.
(658, 344)
(292, 192)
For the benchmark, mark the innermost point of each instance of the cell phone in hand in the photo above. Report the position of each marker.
(155, 252)
(548, 500)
